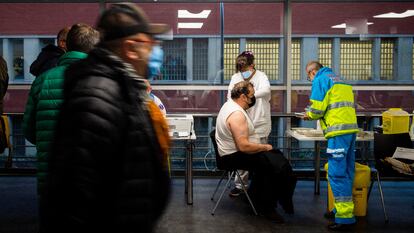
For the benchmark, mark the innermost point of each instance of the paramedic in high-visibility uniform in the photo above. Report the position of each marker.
(332, 101)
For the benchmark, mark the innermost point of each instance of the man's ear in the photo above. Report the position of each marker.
(128, 47)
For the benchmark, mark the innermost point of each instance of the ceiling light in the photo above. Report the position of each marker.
(186, 14)
(190, 25)
(407, 13)
(343, 25)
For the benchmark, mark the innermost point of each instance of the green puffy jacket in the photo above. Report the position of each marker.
(42, 110)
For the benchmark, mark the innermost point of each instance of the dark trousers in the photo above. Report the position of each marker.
(271, 175)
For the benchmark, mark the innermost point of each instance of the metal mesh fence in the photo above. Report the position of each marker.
(387, 59)
(200, 59)
(356, 59)
(266, 53)
(175, 60)
(231, 51)
(295, 59)
(325, 52)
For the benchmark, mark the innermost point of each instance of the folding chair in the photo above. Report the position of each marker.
(384, 146)
(231, 171)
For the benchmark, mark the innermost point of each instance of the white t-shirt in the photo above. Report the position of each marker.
(260, 112)
(224, 138)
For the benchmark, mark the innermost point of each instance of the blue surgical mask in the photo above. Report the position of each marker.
(246, 74)
(155, 62)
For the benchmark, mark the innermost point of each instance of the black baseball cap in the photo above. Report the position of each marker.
(126, 19)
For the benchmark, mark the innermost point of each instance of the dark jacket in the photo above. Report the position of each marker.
(42, 110)
(105, 168)
(4, 81)
(47, 59)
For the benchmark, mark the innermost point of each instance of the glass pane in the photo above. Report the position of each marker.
(18, 60)
(231, 51)
(356, 59)
(296, 59)
(200, 59)
(325, 52)
(175, 67)
(387, 59)
(379, 101)
(266, 56)
(361, 41)
(245, 29)
(46, 41)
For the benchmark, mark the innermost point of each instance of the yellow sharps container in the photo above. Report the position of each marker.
(359, 190)
(395, 121)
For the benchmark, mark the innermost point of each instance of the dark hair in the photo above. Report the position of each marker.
(62, 34)
(240, 88)
(82, 38)
(246, 58)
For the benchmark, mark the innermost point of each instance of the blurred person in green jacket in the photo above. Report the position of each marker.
(46, 97)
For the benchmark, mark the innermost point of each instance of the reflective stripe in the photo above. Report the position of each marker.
(316, 111)
(338, 150)
(343, 199)
(340, 105)
(340, 127)
(344, 212)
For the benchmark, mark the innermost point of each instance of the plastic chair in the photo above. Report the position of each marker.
(231, 171)
(384, 146)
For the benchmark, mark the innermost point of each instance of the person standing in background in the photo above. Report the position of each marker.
(156, 100)
(4, 81)
(332, 101)
(49, 56)
(45, 100)
(260, 112)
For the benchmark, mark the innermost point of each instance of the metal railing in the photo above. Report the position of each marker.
(301, 155)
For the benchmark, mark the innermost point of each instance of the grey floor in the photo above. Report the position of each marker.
(18, 212)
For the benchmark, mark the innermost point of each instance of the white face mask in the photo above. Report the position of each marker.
(246, 74)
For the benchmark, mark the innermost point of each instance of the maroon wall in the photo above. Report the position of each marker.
(15, 101)
(239, 18)
(44, 18)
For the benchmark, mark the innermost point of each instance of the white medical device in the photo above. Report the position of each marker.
(180, 125)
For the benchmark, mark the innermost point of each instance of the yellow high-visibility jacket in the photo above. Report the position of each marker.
(332, 101)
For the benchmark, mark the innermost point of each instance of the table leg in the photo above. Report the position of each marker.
(288, 146)
(189, 173)
(317, 167)
(186, 170)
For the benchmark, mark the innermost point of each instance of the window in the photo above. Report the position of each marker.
(18, 60)
(356, 59)
(325, 52)
(200, 59)
(387, 59)
(46, 41)
(295, 59)
(266, 53)
(175, 60)
(231, 51)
